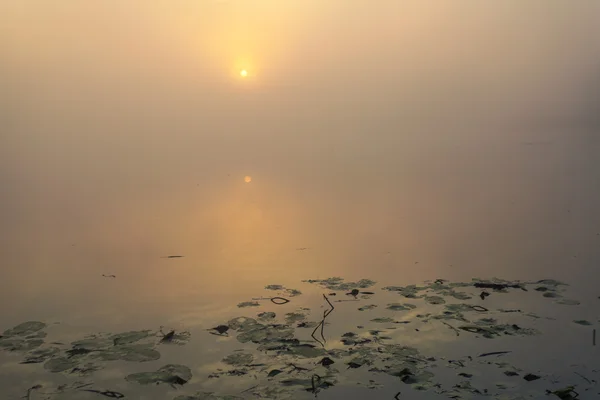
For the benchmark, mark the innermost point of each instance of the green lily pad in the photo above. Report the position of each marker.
(435, 300)
(383, 320)
(40, 355)
(173, 374)
(338, 283)
(19, 344)
(239, 359)
(60, 364)
(367, 307)
(266, 316)
(24, 329)
(133, 353)
(568, 302)
(248, 304)
(582, 322)
(401, 307)
(290, 318)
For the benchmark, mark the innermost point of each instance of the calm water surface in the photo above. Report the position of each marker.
(394, 142)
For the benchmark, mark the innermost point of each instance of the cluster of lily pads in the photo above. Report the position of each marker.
(282, 361)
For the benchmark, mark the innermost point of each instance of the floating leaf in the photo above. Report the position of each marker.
(401, 307)
(239, 359)
(24, 329)
(173, 374)
(60, 364)
(248, 304)
(582, 322)
(367, 307)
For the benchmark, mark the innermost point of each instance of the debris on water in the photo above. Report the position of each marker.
(274, 372)
(109, 276)
(106, 393)
(483, 295)
(174, 337)
(531, 377)
(511, 373)
(220, 329)
(248, 304)
(173, 257)
(326, 361)
(567, 393)
(172, 374)
(353, 292)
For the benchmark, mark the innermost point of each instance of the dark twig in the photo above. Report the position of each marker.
(451, 327)
(397, 396)
(31, 389)
(322, 323)
(107, 393)
(280, 300)
(584, 378)
(249, 389)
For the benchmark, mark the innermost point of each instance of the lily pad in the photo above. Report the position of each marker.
(367, 307)
(24, 329)
(338, 284)
(134, 353)
(383, 320)
(266, 316)
(172, 374)
(248, 304)
(582, 322)
(568, 302)
(60, 364)
(239, 359)
(401, 307)
(290, 318)
(40, 355)
(435, 300)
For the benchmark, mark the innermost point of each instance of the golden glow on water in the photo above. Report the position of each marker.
(247, 179)
(243, 73)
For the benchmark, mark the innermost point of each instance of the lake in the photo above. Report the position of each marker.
(416, 183)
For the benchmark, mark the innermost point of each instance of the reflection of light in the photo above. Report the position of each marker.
(243, 73)
(247, 179)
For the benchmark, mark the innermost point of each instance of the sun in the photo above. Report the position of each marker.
(243, 73)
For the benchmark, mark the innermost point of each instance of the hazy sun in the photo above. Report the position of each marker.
(243, 73)
(247, 179)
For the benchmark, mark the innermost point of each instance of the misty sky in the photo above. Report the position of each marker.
(440, 126)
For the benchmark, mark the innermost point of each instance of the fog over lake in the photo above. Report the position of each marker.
(270, 142)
